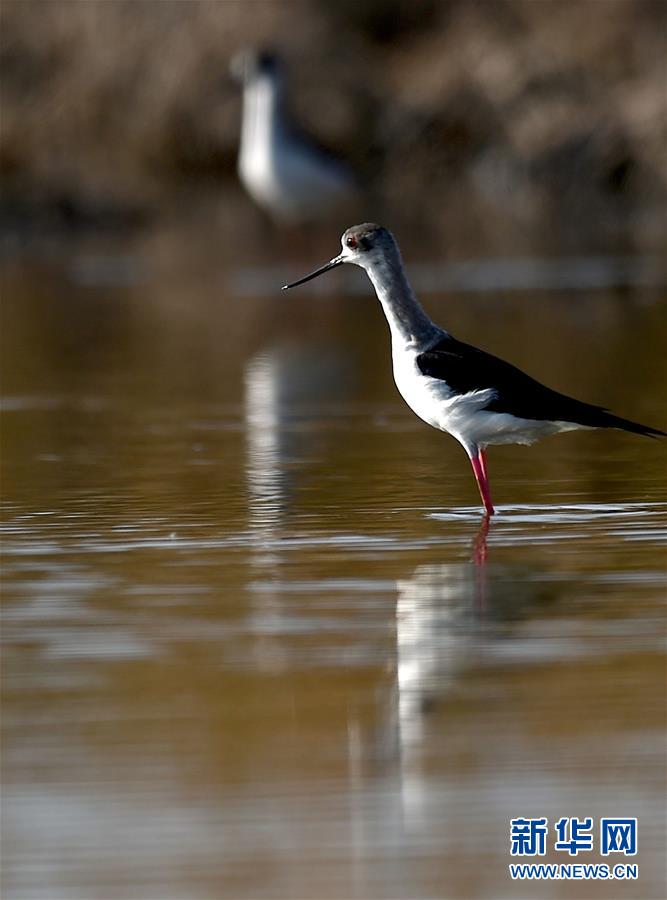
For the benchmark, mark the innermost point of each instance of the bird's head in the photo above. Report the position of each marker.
(248, 65)
(363, 245)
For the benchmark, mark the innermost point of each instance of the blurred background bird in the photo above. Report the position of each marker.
(283, 169)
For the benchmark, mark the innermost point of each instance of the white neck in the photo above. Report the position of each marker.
(408, 322)
(262, 113)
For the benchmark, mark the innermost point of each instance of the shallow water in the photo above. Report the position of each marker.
(257, 642)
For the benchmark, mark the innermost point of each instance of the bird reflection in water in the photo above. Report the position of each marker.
(438, 617)
(449, 619)
(480, 549)
(267, 498)
(264, 470)
(283, 386)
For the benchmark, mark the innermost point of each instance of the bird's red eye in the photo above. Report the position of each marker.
(351, 243)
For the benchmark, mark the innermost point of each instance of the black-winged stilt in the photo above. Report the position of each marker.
(284, 171)
(474, 396)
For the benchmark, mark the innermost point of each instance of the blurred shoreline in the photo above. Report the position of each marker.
(482, 129)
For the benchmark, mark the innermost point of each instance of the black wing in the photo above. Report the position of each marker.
(466, 369)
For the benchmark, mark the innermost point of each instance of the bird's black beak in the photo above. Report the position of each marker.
(337, 261)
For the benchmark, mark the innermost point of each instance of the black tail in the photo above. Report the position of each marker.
(606, 419)
(559, 407)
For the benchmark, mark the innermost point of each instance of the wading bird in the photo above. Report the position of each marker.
(474, 396)
(285, 172)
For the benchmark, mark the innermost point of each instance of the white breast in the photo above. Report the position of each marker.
(427, 397)
(463, 415)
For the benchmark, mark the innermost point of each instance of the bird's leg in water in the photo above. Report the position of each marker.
(479, 468)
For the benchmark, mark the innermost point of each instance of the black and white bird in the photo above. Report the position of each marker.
(284, 170)
(474, 396)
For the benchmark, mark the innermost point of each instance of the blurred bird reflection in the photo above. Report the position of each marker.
(285, 387)
(264, 469)
(451, 621)
(437, 619)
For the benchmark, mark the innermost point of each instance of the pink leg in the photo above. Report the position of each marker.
(479, 468)
(482, 462)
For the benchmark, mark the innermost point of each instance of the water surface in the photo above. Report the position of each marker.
(257, 641)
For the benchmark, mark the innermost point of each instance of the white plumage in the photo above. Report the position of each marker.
(477, 398)
(283, 171)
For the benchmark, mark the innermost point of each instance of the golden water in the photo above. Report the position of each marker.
(251, 645)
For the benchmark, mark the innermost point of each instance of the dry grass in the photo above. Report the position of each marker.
(545, 120)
